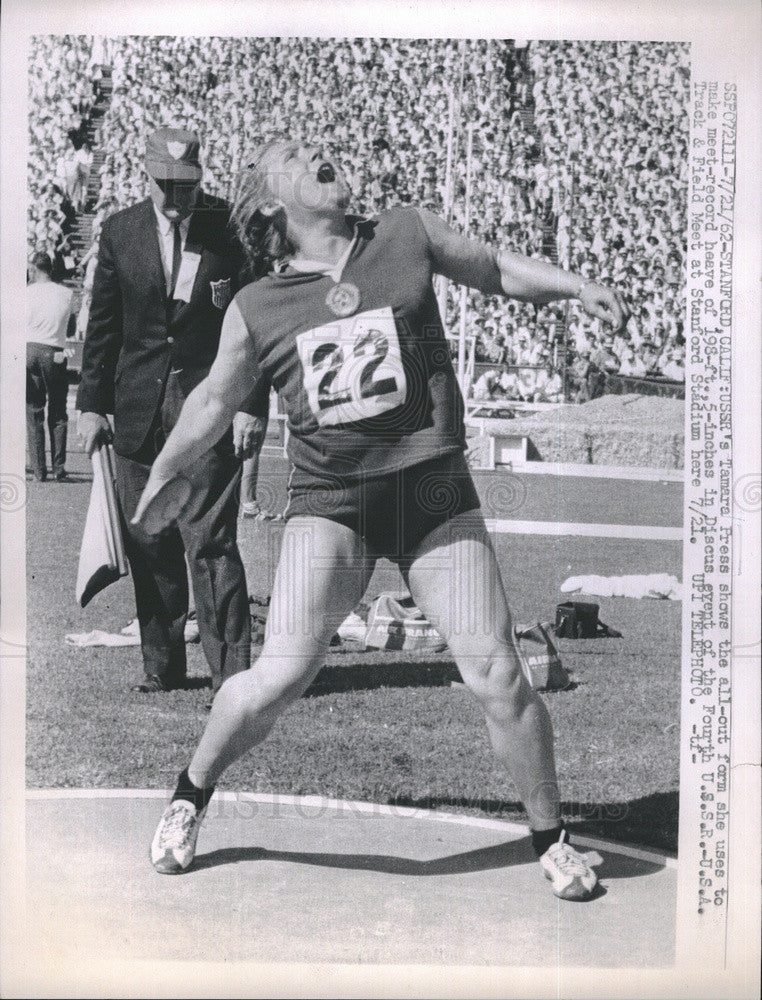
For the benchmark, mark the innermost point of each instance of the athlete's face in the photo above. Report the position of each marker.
(304, 180)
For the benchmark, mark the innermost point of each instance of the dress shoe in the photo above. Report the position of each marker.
(152, 685)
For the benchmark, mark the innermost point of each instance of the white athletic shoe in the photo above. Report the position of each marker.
(174, 844)
(570, 872)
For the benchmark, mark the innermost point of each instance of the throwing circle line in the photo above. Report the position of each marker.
(318, 802)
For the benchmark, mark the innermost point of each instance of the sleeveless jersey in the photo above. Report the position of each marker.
(368, 393)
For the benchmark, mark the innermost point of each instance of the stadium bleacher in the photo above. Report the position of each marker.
(579, 157)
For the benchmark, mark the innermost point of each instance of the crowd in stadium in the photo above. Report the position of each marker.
(583, 141)
(614, 145)
(62, 86)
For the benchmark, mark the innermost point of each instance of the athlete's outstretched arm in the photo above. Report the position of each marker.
(502, 272)
(209, 409)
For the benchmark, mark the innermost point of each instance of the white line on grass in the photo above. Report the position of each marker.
(321, 804)
(645, 532)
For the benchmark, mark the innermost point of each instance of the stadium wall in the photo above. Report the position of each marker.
(615, 430)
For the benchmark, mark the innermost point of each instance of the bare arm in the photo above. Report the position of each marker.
(502, 272)
(209, 409)
(250, 423)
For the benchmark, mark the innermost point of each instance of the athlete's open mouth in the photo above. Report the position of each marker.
(326, 174)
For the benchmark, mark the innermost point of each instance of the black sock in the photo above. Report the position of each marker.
(189, 792)
(542, 839)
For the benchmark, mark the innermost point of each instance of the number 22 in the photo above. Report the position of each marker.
(338, 384)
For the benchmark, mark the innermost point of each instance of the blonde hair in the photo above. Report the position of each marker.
(259, 219)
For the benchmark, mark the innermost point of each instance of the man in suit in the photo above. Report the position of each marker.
(167, 269)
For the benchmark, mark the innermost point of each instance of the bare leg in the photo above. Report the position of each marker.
(455, 580)
(322, 574)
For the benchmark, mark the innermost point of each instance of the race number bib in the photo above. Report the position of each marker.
(352, 368)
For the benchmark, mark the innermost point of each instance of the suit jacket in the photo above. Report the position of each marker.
(135, 336)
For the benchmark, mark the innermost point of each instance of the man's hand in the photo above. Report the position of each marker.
(604, 303)
(94, 430)
(248, 433)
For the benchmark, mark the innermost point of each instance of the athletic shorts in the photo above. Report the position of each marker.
(392, 513)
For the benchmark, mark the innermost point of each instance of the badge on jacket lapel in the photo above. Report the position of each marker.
(221, 292)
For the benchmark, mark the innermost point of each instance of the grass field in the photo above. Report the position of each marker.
(381, 728)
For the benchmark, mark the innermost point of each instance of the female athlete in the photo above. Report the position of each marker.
(344, 325)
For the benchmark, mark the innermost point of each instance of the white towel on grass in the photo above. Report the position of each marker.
(100, 638)
(129, 636)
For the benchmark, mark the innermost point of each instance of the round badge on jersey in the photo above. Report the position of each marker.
(343, 299)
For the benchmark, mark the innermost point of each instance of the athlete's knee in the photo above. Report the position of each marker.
(268, 688)
(498, 683)
(248, 705)
(239, 692)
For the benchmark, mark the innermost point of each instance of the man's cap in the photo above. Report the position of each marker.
(42, 262)
(172, 155)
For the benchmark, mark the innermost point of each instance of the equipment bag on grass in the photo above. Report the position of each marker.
(539, 657)
(396, 623)
(579, 620)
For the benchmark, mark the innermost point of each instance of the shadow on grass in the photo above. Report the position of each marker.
(334, 678)
(367, 676)
(189, 684)
(651, 820)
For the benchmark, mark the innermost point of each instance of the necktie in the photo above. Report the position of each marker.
(176, 255)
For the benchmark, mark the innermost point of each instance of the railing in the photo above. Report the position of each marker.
(653, 385)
